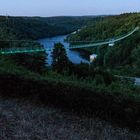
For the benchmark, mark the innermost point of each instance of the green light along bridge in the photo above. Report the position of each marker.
(110, 42)
(20, 50)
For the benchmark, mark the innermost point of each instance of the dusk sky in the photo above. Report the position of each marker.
(67, 7)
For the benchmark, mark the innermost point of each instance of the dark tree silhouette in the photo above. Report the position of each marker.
(60, 60)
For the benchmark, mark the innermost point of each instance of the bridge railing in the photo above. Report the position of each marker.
(107, 41)
(19, 46)
(20, 50)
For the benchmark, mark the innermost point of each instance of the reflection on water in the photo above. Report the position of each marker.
(74, 56)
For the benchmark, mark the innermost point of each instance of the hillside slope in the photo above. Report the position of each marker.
(124, 56)
(85, 91)
(20, 119)
(39, 27)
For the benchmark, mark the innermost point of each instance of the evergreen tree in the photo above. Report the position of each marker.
(60, 60)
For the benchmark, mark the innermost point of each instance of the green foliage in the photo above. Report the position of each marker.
(108, 27)
(99, 79)
(38, 27)
(84, 88)
(60, 60)
(32, 61)
(81, 71)
(136, 60)
(84, 96)
(123, 54)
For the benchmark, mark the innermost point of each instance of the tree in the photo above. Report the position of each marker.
(136, 60)
(60, 60)
(33, 61)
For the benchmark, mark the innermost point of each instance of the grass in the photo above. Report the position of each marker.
(117, 102)
(21, 120)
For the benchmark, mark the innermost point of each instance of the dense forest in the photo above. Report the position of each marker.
(84, 89)
(39, 27)
(33, 28)
(108, 27)
(123, 58)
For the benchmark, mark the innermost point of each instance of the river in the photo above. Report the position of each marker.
(74, 56)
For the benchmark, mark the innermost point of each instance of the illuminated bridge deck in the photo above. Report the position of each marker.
(109, 41)
(19, 51)
(90, 44)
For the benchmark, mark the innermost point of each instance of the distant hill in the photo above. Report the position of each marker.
(108, 27)
(124, 55)
(39, 27)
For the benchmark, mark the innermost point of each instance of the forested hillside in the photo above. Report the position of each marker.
(124, 56)
(108, 27)
(31, 28)
(83, 89)
(37, 27)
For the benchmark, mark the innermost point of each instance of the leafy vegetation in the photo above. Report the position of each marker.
(116, 101)
(124, 54)
(60, 60)
(38, 27)
(85, 89)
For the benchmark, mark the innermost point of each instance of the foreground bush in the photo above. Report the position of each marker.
(115, 102)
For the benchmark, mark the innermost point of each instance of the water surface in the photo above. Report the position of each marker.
(74, 56)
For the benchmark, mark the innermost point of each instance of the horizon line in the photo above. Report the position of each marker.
(90, 15)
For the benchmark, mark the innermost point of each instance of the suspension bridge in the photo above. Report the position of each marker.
(109, 42)
(20, 50)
